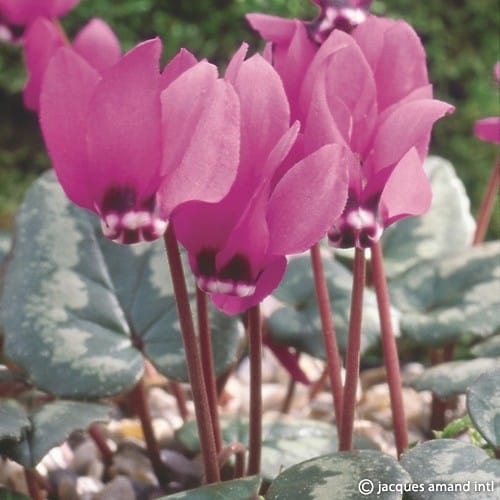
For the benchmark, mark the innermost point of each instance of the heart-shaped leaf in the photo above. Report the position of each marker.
(285, 441)
(442, 299)
(91, 308)
(352, 475)
(453, 378)
(297, 322)
(447, 469)
(13, 420)
(247, 487)
(489, 348)
(483, 404)
(47, 427)
(446, 228)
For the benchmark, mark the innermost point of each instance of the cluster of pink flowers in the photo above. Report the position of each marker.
(325, 133)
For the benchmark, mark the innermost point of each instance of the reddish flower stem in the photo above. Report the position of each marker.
(255, 425)
(239, 451)
(290, 392)
(484, 215)
(208, 363)
(179, 395)
(438, 406)
(353, 351)
(329, 337)
(97, 436)
(319, 384)
(138, 400)
(193, 359)
(32, 483)
(390, 350)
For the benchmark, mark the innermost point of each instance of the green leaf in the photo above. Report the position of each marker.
(442, 299)
(89, 306)
(352, 475)
(489, 348)
(297, 322)
(446, 228)
(483, 404)
(448, 469)
(453, 378)
(244, 488)
(13, 420)
(47, 427)
(285, 442)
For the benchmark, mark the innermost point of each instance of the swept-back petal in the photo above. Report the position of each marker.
(266, 284)
(311, 195)
(407, 191)
(409, 125)
(68, 86)
(265, 113)
(182, 61)
(272, 28)
(234, 65)
(200, 122)
(123, 127)
(25, 11)
(97, 43)
(401, 66)
(41, 41)
(488, 129)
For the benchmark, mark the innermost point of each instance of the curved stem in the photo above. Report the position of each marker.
(389, 347)
(180, 397)
(208, 363)
(139, 402)
(255, 425)
(329, 337)
(193, 360)
(353, 351)
(239, 451)
(32, 482)
(95, 432)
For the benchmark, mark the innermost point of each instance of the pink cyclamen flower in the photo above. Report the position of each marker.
(488, 129)
(237, 246)
(108, 135)
(96, 43)
(24, 12)
(369, 91)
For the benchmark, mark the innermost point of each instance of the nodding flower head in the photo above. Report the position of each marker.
(131, 143)
(342, 15)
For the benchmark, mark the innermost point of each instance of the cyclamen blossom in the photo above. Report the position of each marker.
(369, 92)
(488, 129)
(110, 135)
(24, 12)
(96, 43)
(237, 246)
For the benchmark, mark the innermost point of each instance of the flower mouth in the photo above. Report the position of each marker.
(234, 278)
(125, 220)
(356, 228)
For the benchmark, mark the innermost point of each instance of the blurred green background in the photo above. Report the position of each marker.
(461, 37)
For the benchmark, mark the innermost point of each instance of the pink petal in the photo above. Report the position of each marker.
(265, 114)
(123, 124)
(234, 65)
(307, 200)
(407, 190)
(266, 284)
(182, 61)
(272, 28)
(488, 129)
(97, 43)
(401, 66)
(409, 125)
(41, 41)
(66, 92)
(200, 137)
(25, 11)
